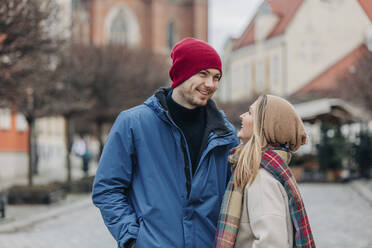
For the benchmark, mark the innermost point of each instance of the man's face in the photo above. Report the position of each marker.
(198, 89)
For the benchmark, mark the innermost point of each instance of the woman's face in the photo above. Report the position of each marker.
(247, 118)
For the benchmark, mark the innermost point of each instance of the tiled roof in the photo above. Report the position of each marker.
(247, 37)
(367, 7)
(285, 11)
(328, 80)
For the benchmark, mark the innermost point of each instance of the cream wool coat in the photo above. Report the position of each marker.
(265, 221)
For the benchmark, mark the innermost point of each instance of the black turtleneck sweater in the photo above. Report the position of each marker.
(192, 124)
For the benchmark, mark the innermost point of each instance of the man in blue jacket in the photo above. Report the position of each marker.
(164, 169)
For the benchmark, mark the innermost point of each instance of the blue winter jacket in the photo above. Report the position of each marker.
(144, 185)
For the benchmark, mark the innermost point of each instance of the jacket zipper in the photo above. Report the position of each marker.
(185, 156)
(187, 167)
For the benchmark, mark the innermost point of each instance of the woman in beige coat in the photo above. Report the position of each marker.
(262, 206)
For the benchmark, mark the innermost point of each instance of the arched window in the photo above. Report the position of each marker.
(260, 76)
(247, 76)
(119, 29)
(170, 35)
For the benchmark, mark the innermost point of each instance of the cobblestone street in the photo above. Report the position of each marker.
(81, 228)
(339, 216)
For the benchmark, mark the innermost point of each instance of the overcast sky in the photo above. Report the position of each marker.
(228, 18)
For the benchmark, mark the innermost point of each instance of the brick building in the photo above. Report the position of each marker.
(13, 143)
(154, 25)
(144, 24)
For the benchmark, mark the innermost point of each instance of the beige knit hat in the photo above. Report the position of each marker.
(282, 124)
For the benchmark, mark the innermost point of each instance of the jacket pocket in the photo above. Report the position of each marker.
(244, 237)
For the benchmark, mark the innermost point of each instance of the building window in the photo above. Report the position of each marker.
(275, 69)
(21, 123)
(170, 35)
(235, 76)
(5, 119)
(247, 74)
(260, 76)
(49, 126)
(238, 76)
(119, 29)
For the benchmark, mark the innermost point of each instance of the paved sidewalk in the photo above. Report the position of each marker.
(334, 209)
(339, 216)
(23, 216)
(363, 187)
(80, 228)
(20, 216)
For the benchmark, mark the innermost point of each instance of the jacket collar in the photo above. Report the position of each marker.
(215, 121)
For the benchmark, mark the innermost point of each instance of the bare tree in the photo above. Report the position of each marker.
(96, 83)
(24, 39)
(122, 79)
(26, 60)
(71, 93)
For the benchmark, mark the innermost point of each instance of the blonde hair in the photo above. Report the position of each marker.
(250, 154)
(275, 122)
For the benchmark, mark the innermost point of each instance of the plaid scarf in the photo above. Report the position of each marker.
(229, 218)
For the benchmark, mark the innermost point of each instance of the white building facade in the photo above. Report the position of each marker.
(290, 42)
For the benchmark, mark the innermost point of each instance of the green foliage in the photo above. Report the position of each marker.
(48, 193)
(362, 153)
(36, 194)
(300, 160)
(332, 148)
(83, 185)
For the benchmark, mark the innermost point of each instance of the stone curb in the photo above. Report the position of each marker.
(363, 189)
(16, 225)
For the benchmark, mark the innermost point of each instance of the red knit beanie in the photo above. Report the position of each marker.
(191, 56)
